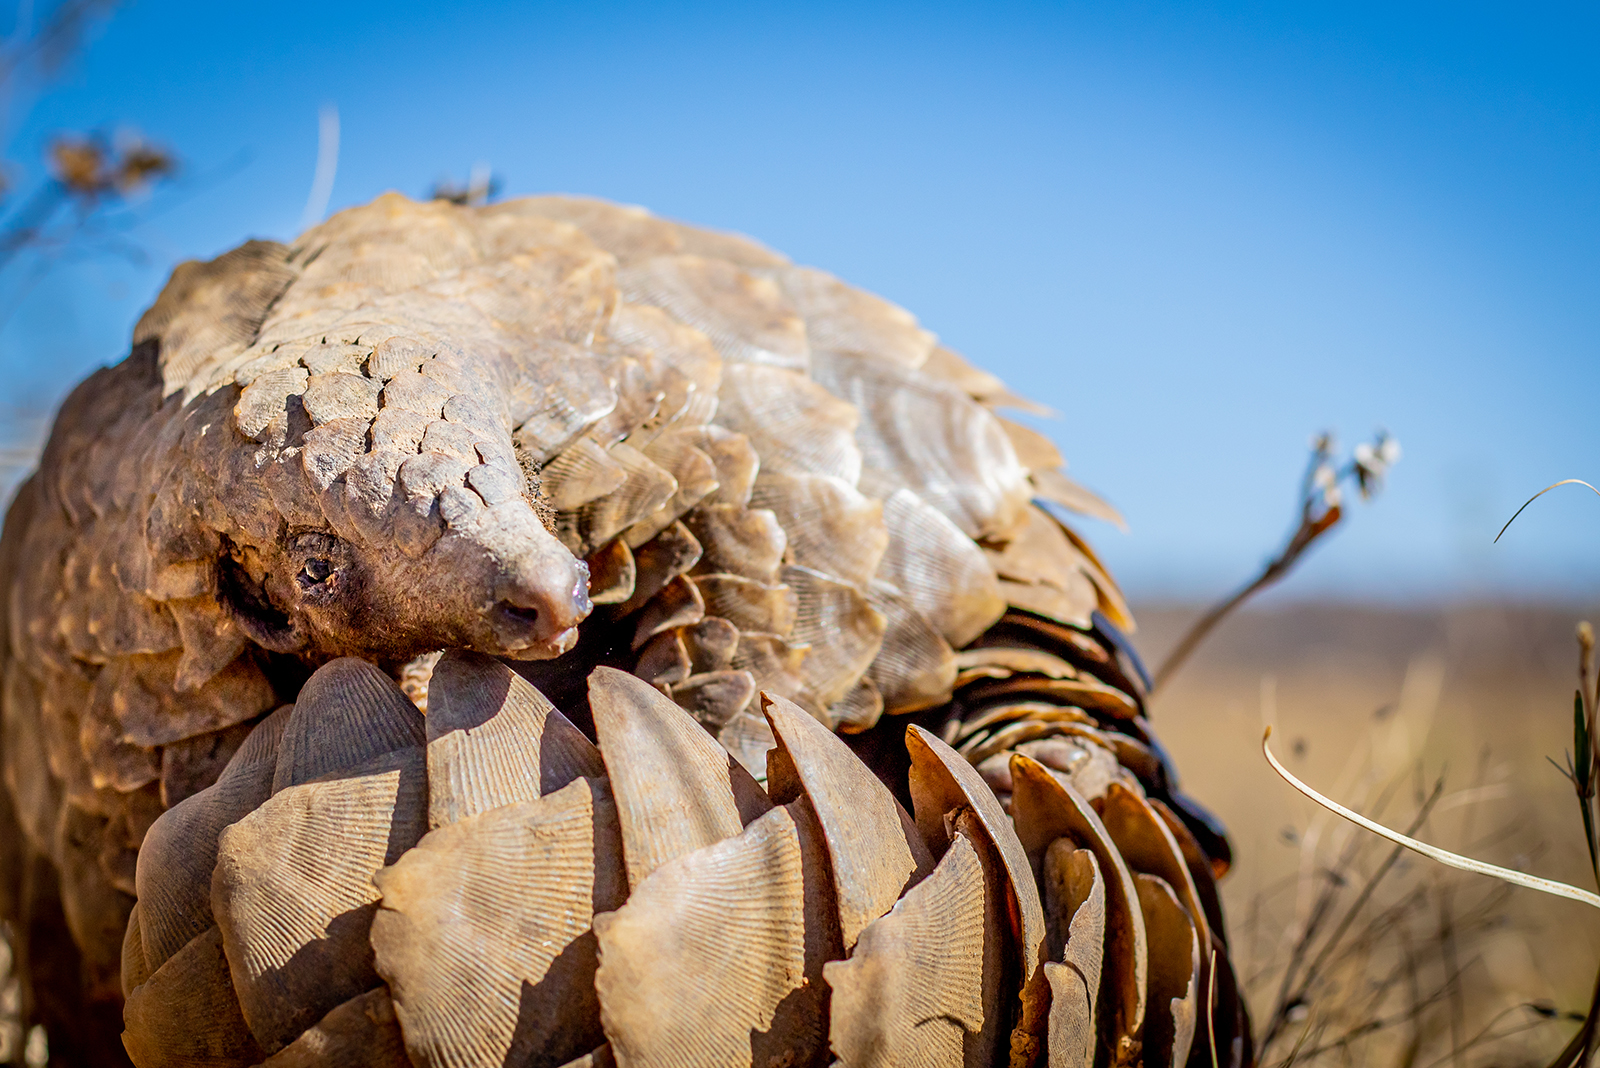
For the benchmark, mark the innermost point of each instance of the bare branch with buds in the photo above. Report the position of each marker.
(1321, 509)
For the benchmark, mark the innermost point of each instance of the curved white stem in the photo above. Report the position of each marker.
(1443, 856)
(1541, 493)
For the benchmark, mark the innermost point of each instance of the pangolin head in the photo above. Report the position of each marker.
(380, 397)
(494, 580)
(383, 511)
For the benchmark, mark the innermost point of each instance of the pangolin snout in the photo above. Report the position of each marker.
(538, 609)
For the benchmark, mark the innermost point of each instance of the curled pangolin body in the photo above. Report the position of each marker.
(650, 467)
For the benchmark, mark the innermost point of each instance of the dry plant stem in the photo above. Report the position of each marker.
(1320, 512)
(1487, 1034)
(1443, 856)
(1300, 1042)
(1407, 969)
(1581, 773)
(1211, 1014)
(1541, 493)
(1580, 1052)
(1286, 1000)
(1313, 926)
(1311, 528)
(1417, 1005)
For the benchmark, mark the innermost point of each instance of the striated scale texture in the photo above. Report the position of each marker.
(484, 936)
(612, 499)
(649, 902)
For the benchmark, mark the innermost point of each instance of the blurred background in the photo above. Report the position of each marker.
(1202, 233)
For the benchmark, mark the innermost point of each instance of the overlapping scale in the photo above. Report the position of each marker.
(875, 851)
(932, 439)
(1047, 811)
(1075, 918)
(180, 850)
(920, 988)
(676, 789)
(185, 1012)
(717, 956)
(947, 791)
(1175, 973)
(747, 317)
(494, 740)
(648, 902)
(485, 935)
(795, 425)
(292, 891)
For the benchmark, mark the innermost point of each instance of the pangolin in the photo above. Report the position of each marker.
(563, 433)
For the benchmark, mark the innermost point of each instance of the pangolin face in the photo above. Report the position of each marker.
(494, 580)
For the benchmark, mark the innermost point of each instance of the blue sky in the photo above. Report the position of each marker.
(1201, 232)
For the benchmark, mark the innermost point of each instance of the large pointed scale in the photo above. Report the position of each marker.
(676, 789)
(185, 1013)
(485, 935)
(716, 958)
(913, 993)
(180, 850)
(348, 711)
(493, 740)
(1044, 810)
(1175, 974)
(1075, 911)
(1149, 846)
(293, 891)
(874, 847)
(942, 783)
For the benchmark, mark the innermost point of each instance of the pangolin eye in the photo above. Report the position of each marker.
(315, 571)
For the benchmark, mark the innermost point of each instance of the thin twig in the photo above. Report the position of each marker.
(1320, 512)
(1211, 1017)
(1289, 994)
(1331, 945)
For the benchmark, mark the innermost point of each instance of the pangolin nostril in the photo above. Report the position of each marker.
(520, 613)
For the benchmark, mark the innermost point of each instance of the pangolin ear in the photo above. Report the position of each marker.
(178, 550)
(253, 608)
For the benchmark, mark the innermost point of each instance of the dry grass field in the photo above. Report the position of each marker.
(1374, 706)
